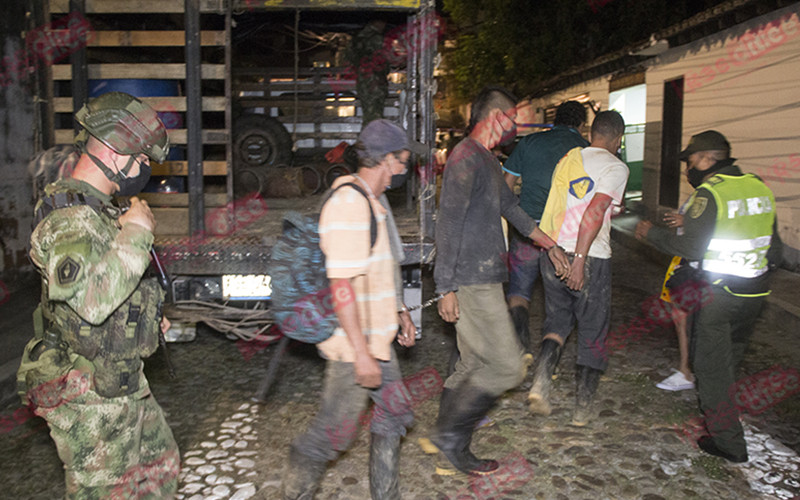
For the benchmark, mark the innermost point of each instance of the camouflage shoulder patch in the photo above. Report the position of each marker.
(698, 207)
(68, 270)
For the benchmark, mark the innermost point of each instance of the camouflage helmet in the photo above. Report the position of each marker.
(125, 124)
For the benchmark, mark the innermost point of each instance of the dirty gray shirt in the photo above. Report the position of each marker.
(470, 246)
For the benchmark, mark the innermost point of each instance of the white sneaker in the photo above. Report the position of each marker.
(676, 382)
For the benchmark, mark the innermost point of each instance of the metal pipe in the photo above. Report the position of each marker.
(80, 68)
(194, 117)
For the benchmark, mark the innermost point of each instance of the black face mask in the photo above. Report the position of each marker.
(695, 177)
(129, 186)
(398, 180)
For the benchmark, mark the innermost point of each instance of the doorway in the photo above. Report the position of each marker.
(671, 132)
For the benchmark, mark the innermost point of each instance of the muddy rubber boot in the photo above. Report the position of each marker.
(587, 379)
(384, 460)
(521, 320)
(302, 477)
(443, 467)
(464, 408)
(543, 377)
(707, 444)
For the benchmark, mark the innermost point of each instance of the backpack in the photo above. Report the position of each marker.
(301, 302)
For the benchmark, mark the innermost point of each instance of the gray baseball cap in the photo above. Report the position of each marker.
(381, 137)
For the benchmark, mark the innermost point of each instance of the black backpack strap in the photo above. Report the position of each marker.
(64, 199)
(373, 227)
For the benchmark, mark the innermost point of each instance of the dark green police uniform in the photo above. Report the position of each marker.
(730, 227)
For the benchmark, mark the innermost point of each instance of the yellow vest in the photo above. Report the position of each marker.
(743, 230)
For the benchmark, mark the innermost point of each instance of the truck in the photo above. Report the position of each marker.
(240, 115)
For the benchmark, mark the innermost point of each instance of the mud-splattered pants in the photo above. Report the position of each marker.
(491, 355)
(344, 402)
(590, 307)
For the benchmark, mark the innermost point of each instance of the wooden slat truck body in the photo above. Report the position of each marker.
(205, 232)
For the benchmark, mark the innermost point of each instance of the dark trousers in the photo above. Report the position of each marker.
(590, 308)
(342, 412)
(720, 333)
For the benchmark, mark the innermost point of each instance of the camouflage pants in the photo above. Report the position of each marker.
(371, 91)
(114, 448)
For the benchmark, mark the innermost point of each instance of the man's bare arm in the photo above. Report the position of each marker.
(591, 222)
(511, 180)
(368, 372)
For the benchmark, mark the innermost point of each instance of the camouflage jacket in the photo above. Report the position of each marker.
(93, 293)
(85, 259)
(369, 56)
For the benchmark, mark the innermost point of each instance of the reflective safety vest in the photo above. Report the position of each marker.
(743, 230)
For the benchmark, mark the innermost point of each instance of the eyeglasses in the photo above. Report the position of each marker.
(399, 158)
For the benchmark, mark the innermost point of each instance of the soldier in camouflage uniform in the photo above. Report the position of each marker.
(98, 316)
(370, 58)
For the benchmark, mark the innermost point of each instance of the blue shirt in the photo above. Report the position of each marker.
(535, 158)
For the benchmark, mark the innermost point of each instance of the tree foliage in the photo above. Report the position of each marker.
(522, 43)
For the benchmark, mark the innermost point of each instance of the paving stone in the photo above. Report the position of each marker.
(206, 469)
(221, 490)
(498, 440)
(244, 492)
(660, 475)
(595, 481)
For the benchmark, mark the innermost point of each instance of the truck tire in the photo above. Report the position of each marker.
(260, 141)
(283, 182)
(335, 171)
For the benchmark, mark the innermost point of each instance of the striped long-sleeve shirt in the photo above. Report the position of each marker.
(344, 231)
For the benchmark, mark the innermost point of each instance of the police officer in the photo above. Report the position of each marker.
(99, 317)
(730, 227)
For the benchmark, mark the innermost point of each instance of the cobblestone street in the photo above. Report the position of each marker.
(638, 446)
